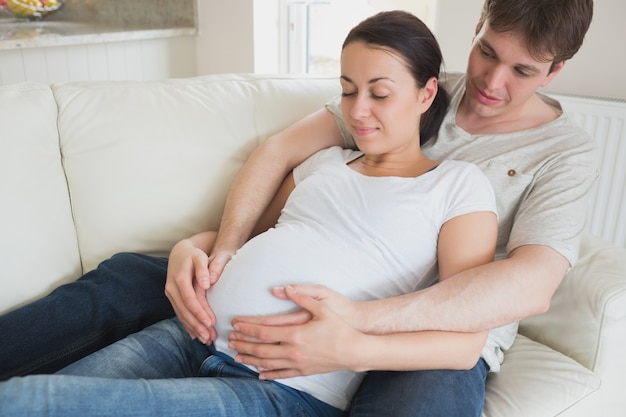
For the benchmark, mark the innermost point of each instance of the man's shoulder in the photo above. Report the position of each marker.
(450, 79)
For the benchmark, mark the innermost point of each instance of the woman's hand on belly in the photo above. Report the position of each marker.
(188, 278)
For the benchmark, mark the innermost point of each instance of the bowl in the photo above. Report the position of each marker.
(30, 9)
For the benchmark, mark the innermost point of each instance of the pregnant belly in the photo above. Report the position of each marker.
(245, 286)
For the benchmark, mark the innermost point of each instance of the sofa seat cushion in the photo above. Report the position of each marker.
(535, 377)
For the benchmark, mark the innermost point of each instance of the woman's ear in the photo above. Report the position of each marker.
(428, 93)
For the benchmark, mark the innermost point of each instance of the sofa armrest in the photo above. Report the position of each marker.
(587, 318)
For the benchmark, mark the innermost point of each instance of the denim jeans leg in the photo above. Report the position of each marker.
(225, 389)
(439, 393)
(77, 396)
(165, 350)
(122, 296)
(162, 350)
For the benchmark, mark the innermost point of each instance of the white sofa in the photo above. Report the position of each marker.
(91, 169)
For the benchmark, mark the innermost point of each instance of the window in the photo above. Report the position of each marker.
(312, 31)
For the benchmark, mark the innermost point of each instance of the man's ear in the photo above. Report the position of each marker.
(555, 70)
(479, 25)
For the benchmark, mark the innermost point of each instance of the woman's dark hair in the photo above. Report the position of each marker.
(407, 36)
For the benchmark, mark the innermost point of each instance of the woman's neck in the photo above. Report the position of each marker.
(379, 166)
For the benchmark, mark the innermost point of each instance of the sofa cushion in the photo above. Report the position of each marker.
(533, 371)
(149, 163)
(35, 214)
(587, 317)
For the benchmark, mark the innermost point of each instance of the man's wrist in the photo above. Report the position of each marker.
(359, 317)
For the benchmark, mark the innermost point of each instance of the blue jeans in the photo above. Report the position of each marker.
(126, 293)
(441, 393)
(122, 296)
(158, 371)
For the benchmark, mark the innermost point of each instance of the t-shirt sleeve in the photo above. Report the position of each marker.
(312, 163)
(554, 208)
(470, 192)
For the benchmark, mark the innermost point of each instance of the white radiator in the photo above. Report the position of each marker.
(605, 120)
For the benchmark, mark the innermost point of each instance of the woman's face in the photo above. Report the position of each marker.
(381, 102)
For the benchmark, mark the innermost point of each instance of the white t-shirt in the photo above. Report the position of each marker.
(365, 237)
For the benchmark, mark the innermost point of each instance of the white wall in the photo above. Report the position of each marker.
(597, 70)
(147, 59)
(226, 43)
(243, 35)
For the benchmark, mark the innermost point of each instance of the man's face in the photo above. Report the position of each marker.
(502, 76)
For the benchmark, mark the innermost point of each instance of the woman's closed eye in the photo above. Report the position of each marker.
(374, 96)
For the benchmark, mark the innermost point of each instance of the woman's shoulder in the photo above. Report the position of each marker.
(337, 153)
(463, 173)
(325, 158)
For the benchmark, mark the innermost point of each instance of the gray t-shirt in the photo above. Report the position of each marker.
(541, 177)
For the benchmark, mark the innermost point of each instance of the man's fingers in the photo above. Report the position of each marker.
(279, 374)
(262, 355)
(269, 368)
(259, 333)
(304, 300)
(314, 291)
(297, 317)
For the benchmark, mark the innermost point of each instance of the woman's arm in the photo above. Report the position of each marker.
(190, 258)
(322, 341)
(263, 172)
(249, 195)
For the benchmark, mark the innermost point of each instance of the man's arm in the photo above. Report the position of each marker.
(326, 343)
(483, 297)
(476, 299)
(247, 199)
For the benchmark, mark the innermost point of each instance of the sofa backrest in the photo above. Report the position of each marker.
(149, 163)
(90, 169)
(38, 246)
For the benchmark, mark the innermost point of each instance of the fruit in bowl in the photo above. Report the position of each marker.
(32, 9)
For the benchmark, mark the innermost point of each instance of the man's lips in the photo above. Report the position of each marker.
(485, 98)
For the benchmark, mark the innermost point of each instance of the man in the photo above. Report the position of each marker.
(539, 164)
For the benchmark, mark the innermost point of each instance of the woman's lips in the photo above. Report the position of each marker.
(364, 131)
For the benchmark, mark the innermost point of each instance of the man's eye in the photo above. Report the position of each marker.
(485, 52)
